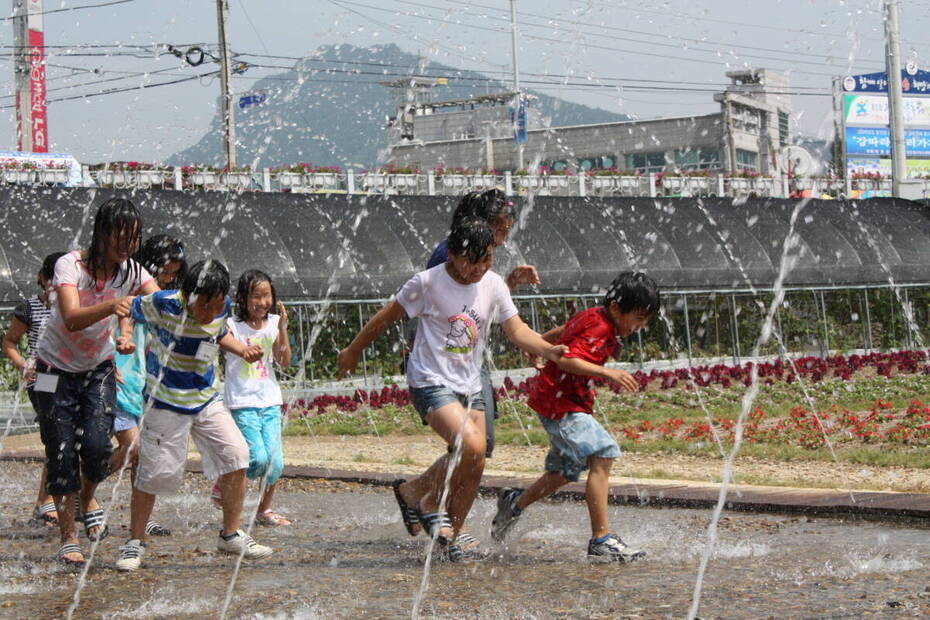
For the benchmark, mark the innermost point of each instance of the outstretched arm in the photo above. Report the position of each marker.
(250, 353)
(576, 366)
(521, 335)
(348, 357)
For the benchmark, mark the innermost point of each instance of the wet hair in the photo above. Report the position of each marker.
(116, 215)
(633, 291)
(47, 270)
(158, 251)
(208, 279)
(487, 205)
(244, 287)
(471, 238)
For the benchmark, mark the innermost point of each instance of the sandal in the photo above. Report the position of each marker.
(435, 522)
(271, 519)
(43, 514)
(96, 518)
(154, 528)
(69, 548)
(465, 548)
(409, 515)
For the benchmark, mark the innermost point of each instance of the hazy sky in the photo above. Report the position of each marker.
(622, 55)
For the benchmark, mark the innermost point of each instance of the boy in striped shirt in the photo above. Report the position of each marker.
(188, 328)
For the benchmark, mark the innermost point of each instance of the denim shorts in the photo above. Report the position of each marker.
(427, 399)
(123, 420)
(573, 440)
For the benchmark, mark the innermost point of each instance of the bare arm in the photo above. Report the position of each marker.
(11, 343)
(348, 357)
(76, 317)
(554, 334)
(250, 353)
(576, 366)
(282, 344)
(521, 335)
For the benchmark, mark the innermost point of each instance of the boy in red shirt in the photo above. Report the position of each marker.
(563, 396)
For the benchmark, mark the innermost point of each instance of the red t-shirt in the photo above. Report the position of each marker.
(589, 335)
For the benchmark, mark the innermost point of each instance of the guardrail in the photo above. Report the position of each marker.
(432, 184)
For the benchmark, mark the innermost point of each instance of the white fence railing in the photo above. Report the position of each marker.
(432, 184)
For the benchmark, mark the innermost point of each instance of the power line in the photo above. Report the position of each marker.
(72, 8)
(555, 21)
(113, 91)
(582, 44)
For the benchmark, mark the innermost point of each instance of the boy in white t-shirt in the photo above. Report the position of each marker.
(456, 302)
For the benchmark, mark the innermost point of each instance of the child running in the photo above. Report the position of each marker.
(163, 257)
(497, 209)
(251, 390)
(75, 386)
(189, 327)
(456, 302)
(30, 317)
(563, 396)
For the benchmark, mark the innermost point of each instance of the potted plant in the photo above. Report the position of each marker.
(485, 178)
(18, 171)
(866, 180)
(236, 176)
(326, 176)
(401, 176)
(452, 177)
(200, 174)
(526, 180)
(53, 173)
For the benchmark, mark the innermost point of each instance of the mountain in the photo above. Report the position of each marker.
(330, 109)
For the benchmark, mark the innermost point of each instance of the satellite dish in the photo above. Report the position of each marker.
(797, 160)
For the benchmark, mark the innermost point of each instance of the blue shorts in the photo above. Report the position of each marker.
(573, 440)
(261, 427)
(427, 399)
(123, 420)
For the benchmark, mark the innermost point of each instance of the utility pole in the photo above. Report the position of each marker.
(229, 110)
(29, 75)
(516, 81)
(895, 97)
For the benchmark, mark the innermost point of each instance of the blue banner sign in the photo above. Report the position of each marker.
(877, 141)
(248, 101)
(913, 82)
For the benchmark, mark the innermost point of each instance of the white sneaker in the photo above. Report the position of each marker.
(243, 544)
(130, 555)
(612, 549)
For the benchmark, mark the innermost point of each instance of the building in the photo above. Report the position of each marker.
(747, 133)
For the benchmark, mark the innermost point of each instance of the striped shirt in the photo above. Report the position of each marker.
(177, 380)
(33, 313)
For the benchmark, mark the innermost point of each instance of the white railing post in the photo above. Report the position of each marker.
(266, 179)
(178, 178)
(508, 183)
(350, 181)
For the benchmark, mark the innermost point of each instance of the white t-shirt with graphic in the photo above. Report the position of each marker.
(453, 326)
(85, 349)
(252, 385)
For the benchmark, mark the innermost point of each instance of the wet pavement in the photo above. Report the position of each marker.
(347, 556)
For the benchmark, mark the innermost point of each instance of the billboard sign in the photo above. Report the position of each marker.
(866, 121)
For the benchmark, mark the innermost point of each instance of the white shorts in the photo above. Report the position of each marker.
(163, 443)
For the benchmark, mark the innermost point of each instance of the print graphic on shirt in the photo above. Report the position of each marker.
(463, 334)
(259, 369)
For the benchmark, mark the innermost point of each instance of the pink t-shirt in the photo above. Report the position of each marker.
(86, 348)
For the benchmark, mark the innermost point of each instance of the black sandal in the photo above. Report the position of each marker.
(435, 522)
(42, 514)
(410, 515)
(96, 518)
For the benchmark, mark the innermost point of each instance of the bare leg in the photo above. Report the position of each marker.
(66, 525)
(128, 445)
(266, 499)
(449, 422)
(88, 501)
(544, 486)
(233, 486)
(596, 495)
(139, 512)
(43, 497)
